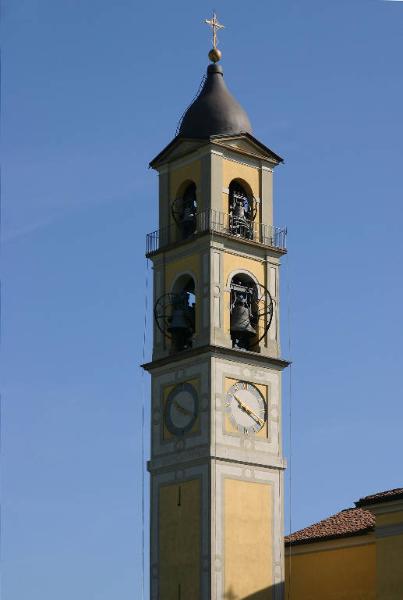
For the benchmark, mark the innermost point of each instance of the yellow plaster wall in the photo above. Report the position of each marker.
(347, 573)
(188, 264)
(390, 557)
(390, 568)
(231, 264)
(180, 540)
(248, 526)
(389, 518)
(191, 171)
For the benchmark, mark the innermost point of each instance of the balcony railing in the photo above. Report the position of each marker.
(214, 221)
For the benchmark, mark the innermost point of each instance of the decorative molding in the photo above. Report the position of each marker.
(190, 459)
(327, 545)
(231, 156)
(241, 356)
(389, 530)
(391, 506)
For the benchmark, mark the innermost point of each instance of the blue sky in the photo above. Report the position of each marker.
(92, 92)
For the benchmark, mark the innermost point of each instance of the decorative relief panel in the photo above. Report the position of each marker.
(251, 447)
(247, 507)
(196, 374)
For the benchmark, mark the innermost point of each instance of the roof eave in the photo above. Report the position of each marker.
(159, 158)
(327, 538)
(273, 156)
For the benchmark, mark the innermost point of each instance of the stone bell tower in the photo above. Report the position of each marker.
(216, 457)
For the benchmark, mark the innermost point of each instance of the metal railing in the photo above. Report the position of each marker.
(222, 223)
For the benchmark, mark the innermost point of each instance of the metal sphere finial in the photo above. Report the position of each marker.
(214, 55)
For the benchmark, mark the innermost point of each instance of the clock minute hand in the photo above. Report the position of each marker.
(182, 409)
(248, 410)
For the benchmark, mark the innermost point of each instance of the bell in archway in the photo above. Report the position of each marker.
(241, 319)
(239, 210)
(180, 326)
(178, 321)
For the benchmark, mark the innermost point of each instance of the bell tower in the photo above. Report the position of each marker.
(216, 457)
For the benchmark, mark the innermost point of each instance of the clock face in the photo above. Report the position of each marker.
(246, 407)
(181, 409)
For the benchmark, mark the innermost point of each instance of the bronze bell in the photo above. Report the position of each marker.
(178, 320)
(240, 319)
(239, 211)
(188, 214)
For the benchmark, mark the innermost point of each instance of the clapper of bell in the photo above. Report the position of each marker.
(240, 319)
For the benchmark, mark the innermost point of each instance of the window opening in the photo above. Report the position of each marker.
(242, 211)
(184, 211)
(244, 311)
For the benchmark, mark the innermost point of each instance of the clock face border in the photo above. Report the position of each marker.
(171, 427)
(239, 429)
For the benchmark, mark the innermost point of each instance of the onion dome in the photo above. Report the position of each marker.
(215, 111)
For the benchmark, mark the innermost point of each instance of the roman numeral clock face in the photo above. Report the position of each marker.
(246, 407)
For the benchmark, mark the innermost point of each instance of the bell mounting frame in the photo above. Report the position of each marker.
(163, 308)
(252, 202)
(177, 210)
(262, 306)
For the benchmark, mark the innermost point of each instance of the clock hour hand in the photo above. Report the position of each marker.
(249, 411)
(182, 409)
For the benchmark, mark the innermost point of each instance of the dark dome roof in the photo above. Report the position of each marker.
(214, 111)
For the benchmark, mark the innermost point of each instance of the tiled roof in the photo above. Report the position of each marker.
(352, 521)
(387, 496)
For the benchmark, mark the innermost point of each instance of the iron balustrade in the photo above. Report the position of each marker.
(223, 223)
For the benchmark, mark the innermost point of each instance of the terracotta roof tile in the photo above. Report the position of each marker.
(387, 496)
(352, 521)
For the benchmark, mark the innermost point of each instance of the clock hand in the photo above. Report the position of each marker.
(182, 409)
(249, 411)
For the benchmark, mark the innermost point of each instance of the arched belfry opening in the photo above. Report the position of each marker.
(182, 325)
(251, 308)
(184, 209)
(244, 311)
(175, 314)
(241, 209)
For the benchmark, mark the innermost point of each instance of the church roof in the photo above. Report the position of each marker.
(386, 496)
(349, 522)
(352, 521)
(214, 111)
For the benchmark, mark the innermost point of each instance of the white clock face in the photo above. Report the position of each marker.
(246, 407)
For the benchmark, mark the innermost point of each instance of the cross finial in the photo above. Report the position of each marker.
(215, 26)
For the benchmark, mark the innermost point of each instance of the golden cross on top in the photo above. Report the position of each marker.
(215, 25)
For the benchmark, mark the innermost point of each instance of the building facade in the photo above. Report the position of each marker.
(356, 554)
(216, 454)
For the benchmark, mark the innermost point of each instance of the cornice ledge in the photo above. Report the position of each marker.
(159, 465)
(214, 350)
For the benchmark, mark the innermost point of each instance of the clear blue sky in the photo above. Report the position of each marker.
(91, 92)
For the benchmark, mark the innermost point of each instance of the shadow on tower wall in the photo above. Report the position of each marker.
(273, 592)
